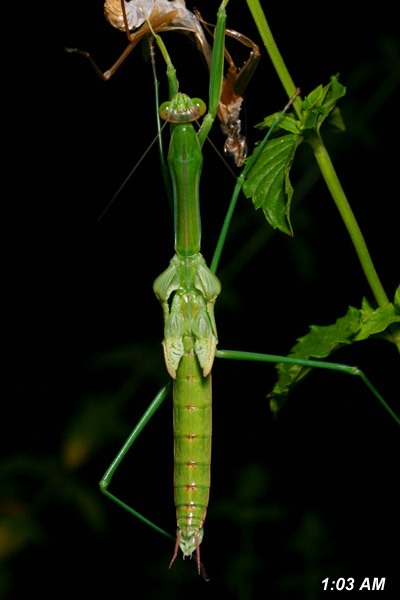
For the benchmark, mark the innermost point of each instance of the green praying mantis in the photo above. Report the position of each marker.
(187, 291)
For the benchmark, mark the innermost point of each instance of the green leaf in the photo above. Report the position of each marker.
(376, 320)
(322, 340)
(268, 183)
(287, 122)
(320, 103)
(316, 107)
(319, 343)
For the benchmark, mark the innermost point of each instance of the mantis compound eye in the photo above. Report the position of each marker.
(182, 109)
(164, 110)
(200, 107)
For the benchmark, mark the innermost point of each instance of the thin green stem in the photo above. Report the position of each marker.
(225, 227)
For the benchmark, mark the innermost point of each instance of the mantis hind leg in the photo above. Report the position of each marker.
(319, 364)
(106, 479)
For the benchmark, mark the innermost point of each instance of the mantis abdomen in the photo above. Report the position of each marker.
(192, 439)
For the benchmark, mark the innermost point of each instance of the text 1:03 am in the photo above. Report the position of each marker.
(368, 583)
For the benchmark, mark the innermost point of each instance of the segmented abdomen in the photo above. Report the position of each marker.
(192, 438)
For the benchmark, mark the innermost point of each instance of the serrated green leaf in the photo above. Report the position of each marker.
(322, 340)
(376, 321)
(397, 299)
(320, 103)
(319, 343)
(268, 183)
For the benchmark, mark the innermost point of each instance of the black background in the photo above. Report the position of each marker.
(310, 496)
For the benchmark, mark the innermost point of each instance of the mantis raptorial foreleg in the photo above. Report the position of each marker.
(231, 99)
